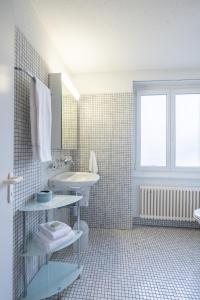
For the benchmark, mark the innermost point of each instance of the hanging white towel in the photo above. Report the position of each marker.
(41, 120)
(93, 167)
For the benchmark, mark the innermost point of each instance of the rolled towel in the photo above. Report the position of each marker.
(49, 245)
(54, 235)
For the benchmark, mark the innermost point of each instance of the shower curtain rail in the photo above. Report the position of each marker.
(25, 72)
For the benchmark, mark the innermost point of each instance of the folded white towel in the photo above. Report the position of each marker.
(41, 119)
(54, 235)
(48, 245)
(56, 225)
(93, 167)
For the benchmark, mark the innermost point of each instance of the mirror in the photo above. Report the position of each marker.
(64, 115)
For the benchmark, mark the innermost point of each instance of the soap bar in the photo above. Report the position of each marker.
(44, 196)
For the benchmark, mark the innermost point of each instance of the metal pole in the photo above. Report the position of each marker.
(24, 257)
(46, 220)
(78, 225)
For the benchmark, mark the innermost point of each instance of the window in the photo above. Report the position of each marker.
(153, 120)
(168, 128)
(188, 130)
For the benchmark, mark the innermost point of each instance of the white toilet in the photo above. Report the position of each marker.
(197, 215)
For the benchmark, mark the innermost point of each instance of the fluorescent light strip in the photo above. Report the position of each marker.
(69, 85)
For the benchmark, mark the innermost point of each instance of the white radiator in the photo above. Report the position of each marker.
(169, 203)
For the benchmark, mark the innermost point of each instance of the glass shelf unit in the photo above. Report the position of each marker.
(56, 202)
(52, 277)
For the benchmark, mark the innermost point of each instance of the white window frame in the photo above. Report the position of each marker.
(170, 89)
(138, 129)
(175, 92)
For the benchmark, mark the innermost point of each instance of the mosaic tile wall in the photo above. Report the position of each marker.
(32, 171)
(105, 126)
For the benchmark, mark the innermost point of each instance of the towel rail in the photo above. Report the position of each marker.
(25, 72)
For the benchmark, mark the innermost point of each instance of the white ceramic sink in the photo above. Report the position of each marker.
(73, 180)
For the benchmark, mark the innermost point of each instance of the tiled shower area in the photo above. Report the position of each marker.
(123, 261)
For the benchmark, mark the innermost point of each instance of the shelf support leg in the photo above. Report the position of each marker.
(46, 220)
(24, 258)
(78, 223)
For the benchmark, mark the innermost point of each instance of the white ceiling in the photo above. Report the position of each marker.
(121, 35)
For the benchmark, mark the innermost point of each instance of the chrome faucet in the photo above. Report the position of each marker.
(61, 162)
(68, 160)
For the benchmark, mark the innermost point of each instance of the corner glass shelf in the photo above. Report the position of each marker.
(51, 279)
(56, 202)
(33, 248)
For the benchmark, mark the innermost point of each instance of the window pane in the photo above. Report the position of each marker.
(188, 130)
(153, 130)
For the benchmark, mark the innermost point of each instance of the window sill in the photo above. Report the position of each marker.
(167, 174)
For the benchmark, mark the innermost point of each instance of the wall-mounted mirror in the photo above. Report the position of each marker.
(64, 115)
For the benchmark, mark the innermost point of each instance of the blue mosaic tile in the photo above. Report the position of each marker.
(144, 263)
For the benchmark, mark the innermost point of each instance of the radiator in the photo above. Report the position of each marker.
(169, 203)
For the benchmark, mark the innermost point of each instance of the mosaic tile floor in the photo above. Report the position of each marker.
(145, 263)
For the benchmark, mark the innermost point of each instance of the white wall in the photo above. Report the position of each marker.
(27, 21)
(121, 82)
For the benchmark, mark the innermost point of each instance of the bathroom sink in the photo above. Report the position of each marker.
(73, 180)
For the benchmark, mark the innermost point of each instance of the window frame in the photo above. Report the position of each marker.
(175, 92)
(138, 129)
(170, 90)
